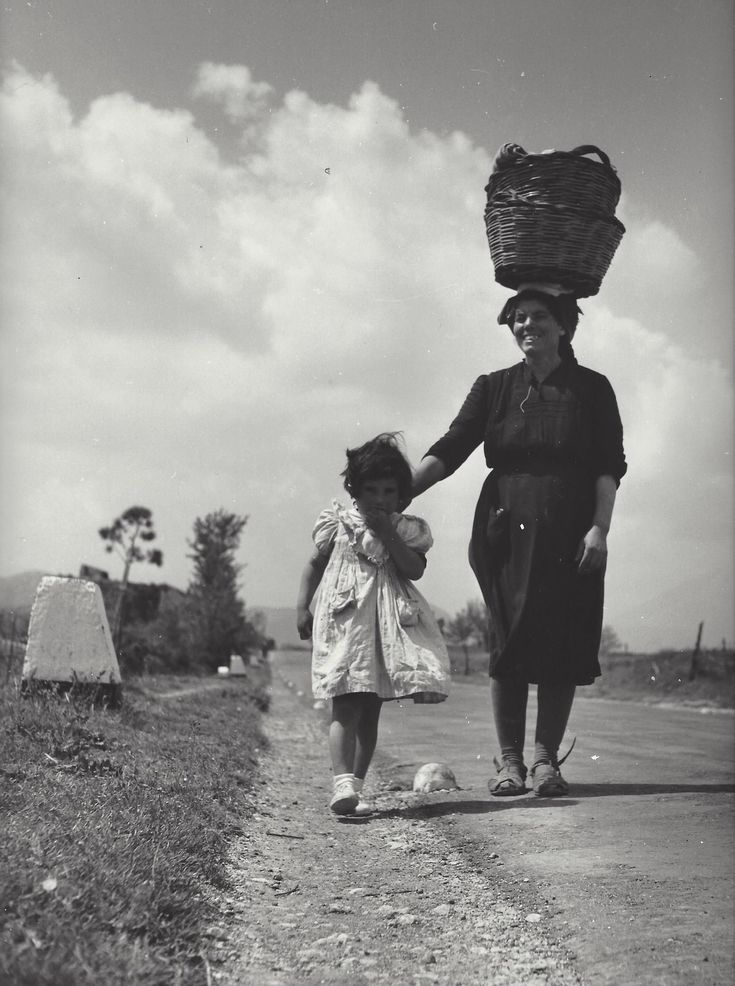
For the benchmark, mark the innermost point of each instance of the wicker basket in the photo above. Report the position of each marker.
(551, 217)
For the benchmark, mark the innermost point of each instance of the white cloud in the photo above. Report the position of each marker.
(673, 530)
(188, 332)
(659, 251)
(651, 250)
(233, 86)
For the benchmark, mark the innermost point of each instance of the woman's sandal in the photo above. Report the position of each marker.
(547, 780)
(510, 779)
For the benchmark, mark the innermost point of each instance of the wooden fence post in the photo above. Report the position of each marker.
(694, 666)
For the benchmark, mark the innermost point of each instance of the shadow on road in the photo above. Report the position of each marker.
(618, 790)
(581, 791)
(440, 808)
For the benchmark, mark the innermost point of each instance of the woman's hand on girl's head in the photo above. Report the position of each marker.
(592, 552)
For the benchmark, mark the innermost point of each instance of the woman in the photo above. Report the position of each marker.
(554, 442)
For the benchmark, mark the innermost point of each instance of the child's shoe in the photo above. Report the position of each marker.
(363, 807)
(345, 799)
(429, 698)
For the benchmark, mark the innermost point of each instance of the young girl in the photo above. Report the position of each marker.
(374, 635)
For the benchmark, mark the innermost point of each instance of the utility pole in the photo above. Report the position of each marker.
(693, 667)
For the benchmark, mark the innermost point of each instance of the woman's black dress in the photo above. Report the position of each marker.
(546, 445)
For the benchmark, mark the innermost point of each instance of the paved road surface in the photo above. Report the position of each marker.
(638, 863)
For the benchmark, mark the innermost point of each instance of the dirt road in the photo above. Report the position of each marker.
(640, 858)
(628, 881)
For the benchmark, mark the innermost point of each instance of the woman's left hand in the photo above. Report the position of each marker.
(592, 552)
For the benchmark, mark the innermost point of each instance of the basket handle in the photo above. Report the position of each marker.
(591, 149)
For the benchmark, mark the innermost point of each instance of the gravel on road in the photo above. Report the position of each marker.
(400, 897)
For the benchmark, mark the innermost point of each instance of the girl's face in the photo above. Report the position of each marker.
(378, 494)
(535, 329)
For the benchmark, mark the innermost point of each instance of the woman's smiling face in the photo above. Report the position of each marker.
(535, 329)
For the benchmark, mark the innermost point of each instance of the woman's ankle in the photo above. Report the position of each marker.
(512, 755)
(543, 753)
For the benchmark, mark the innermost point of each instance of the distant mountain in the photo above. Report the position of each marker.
(17, 592)
(280, 623)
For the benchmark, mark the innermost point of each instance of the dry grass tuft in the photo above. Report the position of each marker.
(115, 823)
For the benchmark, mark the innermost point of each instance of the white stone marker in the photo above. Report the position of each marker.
(69, 636)
(237, 665)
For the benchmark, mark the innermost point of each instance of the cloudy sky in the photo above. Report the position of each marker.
(240, 236)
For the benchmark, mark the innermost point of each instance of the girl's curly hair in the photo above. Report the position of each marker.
(380, 458)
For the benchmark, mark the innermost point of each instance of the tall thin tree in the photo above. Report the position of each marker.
(221, 626)
(123, 537)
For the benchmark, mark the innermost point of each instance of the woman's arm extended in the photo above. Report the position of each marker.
(428, 472)
(310, 579)
(592, 552)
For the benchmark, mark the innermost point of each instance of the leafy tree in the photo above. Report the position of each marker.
(259, 624)
(123, 537)
(161, 640)
(470, 625)
(221, 628)
(460, 630)
(258, 620)
(477, 612)
(609, 641)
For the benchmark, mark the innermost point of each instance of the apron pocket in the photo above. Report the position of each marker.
(408, 611)
(496, 531)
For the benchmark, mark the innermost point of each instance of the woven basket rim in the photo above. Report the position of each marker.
(521, 171)
(555, 155)
(561, 213)
(564, 176)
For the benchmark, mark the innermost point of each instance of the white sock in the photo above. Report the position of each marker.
(341, 778)
(358, 782)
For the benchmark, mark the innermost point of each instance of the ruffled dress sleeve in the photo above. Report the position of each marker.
(325, 531)
(415, 532)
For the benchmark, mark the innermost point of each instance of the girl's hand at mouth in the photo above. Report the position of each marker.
(379, 521)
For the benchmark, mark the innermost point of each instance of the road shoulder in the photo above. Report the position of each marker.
(396, 898)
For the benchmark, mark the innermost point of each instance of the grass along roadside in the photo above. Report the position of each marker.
(660, 677)
(116, 825)
(115, 822)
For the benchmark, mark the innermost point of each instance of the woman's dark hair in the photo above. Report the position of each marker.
(380, 458)
(563, 307)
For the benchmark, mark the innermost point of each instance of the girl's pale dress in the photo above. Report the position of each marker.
(373, 630)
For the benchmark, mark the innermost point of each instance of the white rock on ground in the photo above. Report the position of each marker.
(434, 777)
